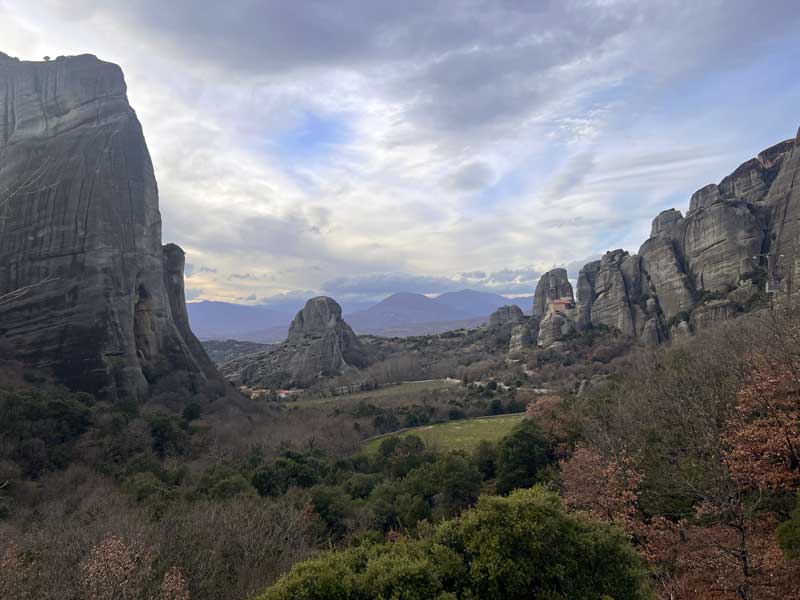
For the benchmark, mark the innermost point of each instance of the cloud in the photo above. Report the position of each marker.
(383, 284)
(471, 177)
(193, 293)
(364, 147)
(571, 176)
(380, 285)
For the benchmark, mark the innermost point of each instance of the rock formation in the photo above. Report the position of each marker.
(510, 323)
(521, 338)
(86, 289)
(320, 344)
(696, 269)
(506, 314)
(554, 326)
(552, 285)
(324, 343)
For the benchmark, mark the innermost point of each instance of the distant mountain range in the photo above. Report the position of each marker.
(401, 314)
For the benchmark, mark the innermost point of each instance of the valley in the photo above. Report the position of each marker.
(622, 427)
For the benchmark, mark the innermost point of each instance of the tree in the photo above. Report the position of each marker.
(516, 547)
(521, 457)
(763, 433)
(605, 489)
(433, 491)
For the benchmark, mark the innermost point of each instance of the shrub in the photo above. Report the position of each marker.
(522, 546)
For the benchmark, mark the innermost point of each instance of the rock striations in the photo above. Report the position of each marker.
(320, 344)
(86, 289)
(551, 286)
(696, 269)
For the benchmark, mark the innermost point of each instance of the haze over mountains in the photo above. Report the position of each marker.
(400, 314)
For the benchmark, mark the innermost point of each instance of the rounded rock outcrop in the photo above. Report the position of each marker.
(506, 314)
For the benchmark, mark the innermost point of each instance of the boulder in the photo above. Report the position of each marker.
(86, 289)
(652, 333)
(551, 286)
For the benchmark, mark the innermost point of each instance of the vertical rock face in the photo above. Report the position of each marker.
(617, 288)
(86, 288)
(665, 221)
(711, 249)
(697, 269)
(554, 326)
(321, 342)
(587, 281)
(551, 286)
(782, 206)
(718, 244)
(713, 312)
(667, 278)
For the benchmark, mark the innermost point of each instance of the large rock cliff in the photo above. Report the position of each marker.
(320, 344)
(86, 289)
(698, 269)
(551, 286)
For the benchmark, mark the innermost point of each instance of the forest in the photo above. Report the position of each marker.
(676, 478)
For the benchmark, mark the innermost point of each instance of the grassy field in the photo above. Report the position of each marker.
(378, 395)
(457, 435)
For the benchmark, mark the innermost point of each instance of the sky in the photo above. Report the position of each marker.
(363, 147)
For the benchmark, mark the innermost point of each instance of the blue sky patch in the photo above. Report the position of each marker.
(314, 138)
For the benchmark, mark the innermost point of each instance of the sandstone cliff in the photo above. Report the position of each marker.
(696, 269)
(320, 344)
(551, 286)
(86, 288)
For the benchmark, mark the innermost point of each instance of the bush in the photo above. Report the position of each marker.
(522, 546)
(39, 428)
